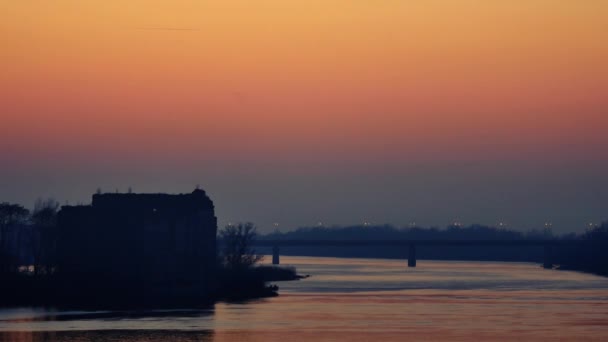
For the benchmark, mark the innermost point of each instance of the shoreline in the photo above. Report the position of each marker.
(230, 286)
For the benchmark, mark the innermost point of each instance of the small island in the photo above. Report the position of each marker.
(129, 249)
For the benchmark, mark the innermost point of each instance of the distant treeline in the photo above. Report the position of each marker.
(593, 260)
(387, 232)
(27, 237)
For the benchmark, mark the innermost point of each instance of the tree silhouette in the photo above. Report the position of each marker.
(44, 218)
(10, 215)
(237, 240)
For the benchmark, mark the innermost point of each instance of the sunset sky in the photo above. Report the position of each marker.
(300, 112)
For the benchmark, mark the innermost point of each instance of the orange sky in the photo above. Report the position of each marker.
(302, 82)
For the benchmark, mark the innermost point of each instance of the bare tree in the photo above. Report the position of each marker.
(237, 251)
(45, 212)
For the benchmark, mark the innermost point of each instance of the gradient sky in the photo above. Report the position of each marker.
(320, 110)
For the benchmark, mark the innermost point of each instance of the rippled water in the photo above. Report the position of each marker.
(360, 300)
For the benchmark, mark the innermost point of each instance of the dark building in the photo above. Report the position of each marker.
(144, 246)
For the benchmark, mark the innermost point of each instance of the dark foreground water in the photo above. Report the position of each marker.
(360, 300)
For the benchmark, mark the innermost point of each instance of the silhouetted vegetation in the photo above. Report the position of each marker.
(592, 258)
(12, 217)
(237, 251)
(240, 276)
(388, 232)
(28, 239)
(25, 248)
(44, 220)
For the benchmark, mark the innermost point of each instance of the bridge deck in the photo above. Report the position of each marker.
(412, 244)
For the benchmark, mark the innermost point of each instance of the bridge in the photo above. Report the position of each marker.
(411, 245)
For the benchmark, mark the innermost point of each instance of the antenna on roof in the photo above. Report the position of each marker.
(130, 190)
(198, 186)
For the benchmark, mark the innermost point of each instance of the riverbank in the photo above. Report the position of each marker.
(252, 283)
(22, 289)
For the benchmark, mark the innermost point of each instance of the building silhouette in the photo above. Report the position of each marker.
(145, 247)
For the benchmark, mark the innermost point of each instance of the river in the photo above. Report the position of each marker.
(360, 300)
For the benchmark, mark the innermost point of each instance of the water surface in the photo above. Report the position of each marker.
(360, 300)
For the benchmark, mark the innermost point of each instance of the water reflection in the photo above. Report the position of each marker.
(131, 325)
(107, 335)
(360, 300)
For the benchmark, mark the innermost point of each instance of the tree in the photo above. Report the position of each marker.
(237, 251)
(10, 215)
(45, 212)
(598, 233)
(44, 218)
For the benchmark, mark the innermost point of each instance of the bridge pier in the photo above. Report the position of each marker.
(548, 257)
(411, 258)
(275, 255)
